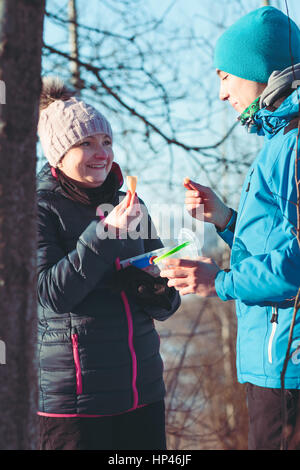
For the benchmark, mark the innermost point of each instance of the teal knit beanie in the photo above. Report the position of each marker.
(257, 44)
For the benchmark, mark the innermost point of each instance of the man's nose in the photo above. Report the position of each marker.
(223, 93)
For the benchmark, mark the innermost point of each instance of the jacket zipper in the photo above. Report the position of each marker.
(130, 342)
(246, 195)
(274, 321)
(77, 364)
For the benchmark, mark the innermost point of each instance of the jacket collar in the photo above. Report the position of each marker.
(269, 120)
(47, 181)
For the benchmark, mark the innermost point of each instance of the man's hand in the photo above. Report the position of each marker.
(215, 211)
(191, 276)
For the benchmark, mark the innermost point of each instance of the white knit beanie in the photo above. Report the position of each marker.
(66, 120)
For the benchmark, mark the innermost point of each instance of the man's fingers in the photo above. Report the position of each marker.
(192, 193)
(186, 290)
(181, 286)
(178, 284)
(192, 185)
(193, 200)
(173, 273)
(180, 263)
(192, 206)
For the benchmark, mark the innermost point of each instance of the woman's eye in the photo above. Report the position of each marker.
(83, 144)
(107, 142)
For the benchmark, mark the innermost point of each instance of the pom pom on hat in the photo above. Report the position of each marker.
(257, 44)
(53, 88)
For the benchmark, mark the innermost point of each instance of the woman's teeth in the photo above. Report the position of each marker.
(97, 166)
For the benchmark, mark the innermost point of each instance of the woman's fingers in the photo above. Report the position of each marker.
(130, 204)
(127, 215)
(122, 206)
(134, 208)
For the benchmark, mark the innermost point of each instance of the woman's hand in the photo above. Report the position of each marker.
(125, 217)
(215, 211)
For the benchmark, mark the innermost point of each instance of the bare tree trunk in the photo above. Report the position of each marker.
(74, 66)
(21, 27)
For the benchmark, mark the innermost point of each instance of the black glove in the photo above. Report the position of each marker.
(147, 289)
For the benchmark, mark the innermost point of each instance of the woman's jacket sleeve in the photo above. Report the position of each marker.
(64, 280)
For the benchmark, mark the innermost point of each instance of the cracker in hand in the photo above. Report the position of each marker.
(131, 183)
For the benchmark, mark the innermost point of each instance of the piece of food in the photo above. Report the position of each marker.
(131, 183)
(186, 183)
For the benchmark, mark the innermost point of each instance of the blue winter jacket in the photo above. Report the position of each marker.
(264, 274)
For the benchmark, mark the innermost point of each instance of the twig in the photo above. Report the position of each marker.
(111, 92)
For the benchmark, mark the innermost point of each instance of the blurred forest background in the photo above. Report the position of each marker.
(148, 67)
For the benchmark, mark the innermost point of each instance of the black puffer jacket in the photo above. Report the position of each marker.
(98, 351)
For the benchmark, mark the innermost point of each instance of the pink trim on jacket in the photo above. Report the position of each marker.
(79, 390)
(77, 364)
(82, 415)
(53, 172)
(130, 342)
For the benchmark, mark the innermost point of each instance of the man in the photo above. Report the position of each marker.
(254, 60)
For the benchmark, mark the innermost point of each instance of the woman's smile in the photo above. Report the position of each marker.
(89, 162)
(97, 166)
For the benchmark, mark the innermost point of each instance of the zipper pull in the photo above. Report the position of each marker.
(248, 187)
(274, 318)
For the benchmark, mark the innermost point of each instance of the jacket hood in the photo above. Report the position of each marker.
(46, 180)
(270, 120)
(280, 83)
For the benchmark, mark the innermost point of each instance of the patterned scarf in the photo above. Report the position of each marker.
(246, 118)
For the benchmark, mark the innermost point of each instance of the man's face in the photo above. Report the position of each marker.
(238, 91)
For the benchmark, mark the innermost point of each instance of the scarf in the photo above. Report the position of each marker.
(246, 118)
(280, 84)
(89, 196)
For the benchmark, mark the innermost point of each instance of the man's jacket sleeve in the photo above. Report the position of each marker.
(228, 233)
(273, 276)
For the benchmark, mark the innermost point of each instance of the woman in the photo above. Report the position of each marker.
(100, 372)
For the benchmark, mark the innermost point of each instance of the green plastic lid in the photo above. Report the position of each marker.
(169, 253)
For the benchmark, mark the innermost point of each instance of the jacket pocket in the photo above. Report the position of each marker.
(77, 364)
(274, 322)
